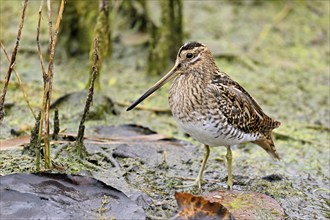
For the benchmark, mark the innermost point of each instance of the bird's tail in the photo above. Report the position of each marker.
(268, 145)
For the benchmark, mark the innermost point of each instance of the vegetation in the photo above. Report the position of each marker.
(277, 50)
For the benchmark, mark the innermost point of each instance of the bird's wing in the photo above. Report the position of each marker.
(240, 109)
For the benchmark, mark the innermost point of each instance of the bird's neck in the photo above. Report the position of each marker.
(187, 92)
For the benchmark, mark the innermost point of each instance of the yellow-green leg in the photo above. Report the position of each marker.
(199, 179)
(229, 162)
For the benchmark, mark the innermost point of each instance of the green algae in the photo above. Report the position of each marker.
(288, 75)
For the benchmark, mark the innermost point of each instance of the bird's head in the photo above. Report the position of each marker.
(191, 56)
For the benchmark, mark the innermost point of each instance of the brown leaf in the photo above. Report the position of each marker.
(197, 207)
(150, 137)
(69, 137)
(243, 205)
(15, 142)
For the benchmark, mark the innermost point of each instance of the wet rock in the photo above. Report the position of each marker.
(60, 196)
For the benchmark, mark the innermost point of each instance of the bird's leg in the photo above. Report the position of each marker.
(199, 179)
(229, 162)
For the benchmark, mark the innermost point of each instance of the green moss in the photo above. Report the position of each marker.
(288, 76)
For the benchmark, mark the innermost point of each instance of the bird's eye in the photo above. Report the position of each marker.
(189, 55)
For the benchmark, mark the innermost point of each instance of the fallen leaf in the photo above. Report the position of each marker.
(197, 207)
(14, 143)
(242, 205)
(70, 137)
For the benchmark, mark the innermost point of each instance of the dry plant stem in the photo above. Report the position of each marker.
(12, 61)
(46, 140)
(50, 84)
(47, 87)
(19, 83)
(48, 78)
(50, 24)
(44, 74)
(38, 43)
(89, 100)
(45, 79)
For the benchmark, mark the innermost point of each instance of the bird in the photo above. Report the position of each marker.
(212, 108)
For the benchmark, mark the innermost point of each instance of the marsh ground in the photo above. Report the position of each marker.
(282, 62)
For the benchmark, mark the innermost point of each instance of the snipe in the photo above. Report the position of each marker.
(211, 107)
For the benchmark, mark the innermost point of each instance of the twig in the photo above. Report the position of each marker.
(44, 100)
(89, 100)
(50, 84)
(45, 79)
(265, 31)
(38, 43)
(48, 78)
(50, 24)
(19, 82)
(12, 62)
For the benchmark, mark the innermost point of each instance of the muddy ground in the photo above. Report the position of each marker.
(283, 63)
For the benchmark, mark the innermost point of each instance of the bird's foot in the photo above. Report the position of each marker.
(197, 183)
(230, 184)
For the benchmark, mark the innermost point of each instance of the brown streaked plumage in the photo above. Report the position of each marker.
(213, 108)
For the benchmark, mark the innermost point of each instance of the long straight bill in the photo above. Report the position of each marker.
(171, 74)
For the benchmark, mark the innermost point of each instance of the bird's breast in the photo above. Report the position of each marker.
(186, 99)
(197, 114)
